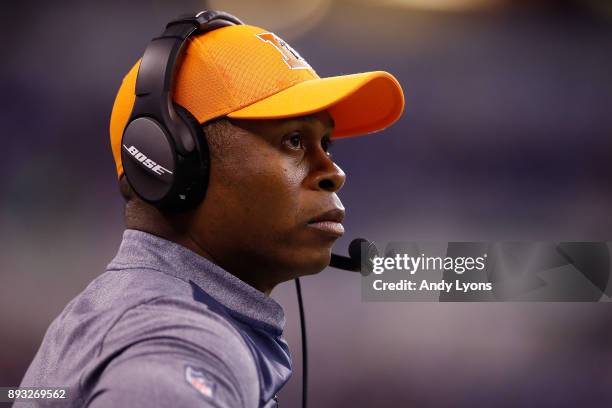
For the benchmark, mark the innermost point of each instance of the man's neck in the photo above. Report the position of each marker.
(154, 222)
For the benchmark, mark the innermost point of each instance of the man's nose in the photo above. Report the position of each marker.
(330, 177)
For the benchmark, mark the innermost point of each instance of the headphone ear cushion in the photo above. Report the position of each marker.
(197, 168)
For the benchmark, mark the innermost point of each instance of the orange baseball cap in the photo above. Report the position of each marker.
(246, 72)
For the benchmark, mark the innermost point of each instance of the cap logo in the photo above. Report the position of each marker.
(289, 55)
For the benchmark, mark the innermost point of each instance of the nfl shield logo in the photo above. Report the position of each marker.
(198, 380)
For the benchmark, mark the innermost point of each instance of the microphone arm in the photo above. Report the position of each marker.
(352, 262)
(345, 263)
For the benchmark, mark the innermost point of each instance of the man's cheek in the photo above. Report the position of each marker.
(294, 171)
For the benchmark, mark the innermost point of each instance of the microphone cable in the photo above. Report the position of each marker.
(350, 263)
(298, 289)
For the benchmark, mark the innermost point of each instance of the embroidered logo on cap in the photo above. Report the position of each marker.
(289, 55)
(198, 380)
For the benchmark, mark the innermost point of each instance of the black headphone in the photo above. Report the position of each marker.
(164, 151)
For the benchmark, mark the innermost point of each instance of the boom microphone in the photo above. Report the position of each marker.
(353, 261)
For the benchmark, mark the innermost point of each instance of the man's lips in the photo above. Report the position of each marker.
(335, 215)
(329, 222)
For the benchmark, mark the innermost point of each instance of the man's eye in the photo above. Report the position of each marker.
(294, 140)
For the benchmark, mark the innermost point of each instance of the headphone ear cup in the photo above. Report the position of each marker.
(195, 174)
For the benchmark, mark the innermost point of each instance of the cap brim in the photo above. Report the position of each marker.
(359, 103)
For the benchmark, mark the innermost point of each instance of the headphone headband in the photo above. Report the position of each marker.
(156, 71)
(206, 20)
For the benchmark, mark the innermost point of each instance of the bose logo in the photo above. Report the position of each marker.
(146, 161)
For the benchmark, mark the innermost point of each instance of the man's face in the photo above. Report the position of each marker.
(271, 212)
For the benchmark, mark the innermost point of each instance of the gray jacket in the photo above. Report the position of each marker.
(164, 327)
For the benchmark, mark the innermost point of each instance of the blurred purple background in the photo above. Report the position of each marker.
(506, 136)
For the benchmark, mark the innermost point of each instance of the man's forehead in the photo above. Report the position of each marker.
(265, 126)
(323, 117)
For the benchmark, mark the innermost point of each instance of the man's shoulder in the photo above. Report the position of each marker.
(176, 318)
(112, 294)
(124, 315)
(115, 292)
(175, 325)
(172, 340)
(149, 303)
(136, 284)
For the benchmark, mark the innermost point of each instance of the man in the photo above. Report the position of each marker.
(182, 316)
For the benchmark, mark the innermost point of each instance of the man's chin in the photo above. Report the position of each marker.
(312, 263)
